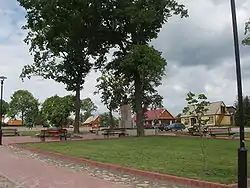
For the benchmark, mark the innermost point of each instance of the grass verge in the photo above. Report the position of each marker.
(168, 155)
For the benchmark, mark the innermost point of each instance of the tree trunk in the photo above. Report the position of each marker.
(77, 110)
(112, 125)
(22, 118)
(138, 105)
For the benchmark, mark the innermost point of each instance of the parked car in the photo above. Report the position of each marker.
(162, 127)
(175, 127)
(147, 126)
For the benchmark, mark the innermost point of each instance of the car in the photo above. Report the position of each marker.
(175, 127)
(162, 127)
(147, 126)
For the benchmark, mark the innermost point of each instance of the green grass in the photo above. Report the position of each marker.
(29, 133)
(168, 155)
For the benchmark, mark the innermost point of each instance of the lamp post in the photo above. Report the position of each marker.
(2, 78)
(242, 151)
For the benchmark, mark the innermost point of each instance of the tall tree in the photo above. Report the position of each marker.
(144, 67)
(246, 41)
(135, 23)
(25, 105)
(87, 107)
(61, 39)
(55, 110)
(113, 89)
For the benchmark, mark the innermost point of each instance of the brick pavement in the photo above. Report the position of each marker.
(35, 174)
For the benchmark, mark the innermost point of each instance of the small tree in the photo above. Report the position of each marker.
(197, 105)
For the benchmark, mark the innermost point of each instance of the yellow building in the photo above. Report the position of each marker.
(217, 115)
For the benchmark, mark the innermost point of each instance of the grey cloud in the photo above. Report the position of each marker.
(197, 42)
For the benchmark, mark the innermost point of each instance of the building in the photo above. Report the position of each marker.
(217, 115)
(158, 116)
(92, 121)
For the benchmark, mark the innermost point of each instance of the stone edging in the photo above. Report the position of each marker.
(153, 175)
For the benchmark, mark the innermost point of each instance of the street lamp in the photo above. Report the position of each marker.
(242, 151)
(2, 78)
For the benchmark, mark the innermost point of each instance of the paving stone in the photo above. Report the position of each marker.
(6, 183)
(130, 180)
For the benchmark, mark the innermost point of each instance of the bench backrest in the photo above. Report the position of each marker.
(54, 131)
(9, 130)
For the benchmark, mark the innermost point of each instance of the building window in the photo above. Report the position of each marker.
(210, 120)
(186, 121)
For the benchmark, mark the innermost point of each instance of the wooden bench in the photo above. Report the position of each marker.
(10, 132)
(220, 131)
(54, 133)
(113, 132)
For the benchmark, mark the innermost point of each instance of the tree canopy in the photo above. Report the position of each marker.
(5, 107)
(246, 41)
(246, 115)
(55, 110)
(87, 108)
(197, 105)
(63, 37)
(143, 67)
(24, 105)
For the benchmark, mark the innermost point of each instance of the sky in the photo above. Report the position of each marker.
(199, 51)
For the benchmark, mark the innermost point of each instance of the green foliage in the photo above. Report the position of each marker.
(24, 104)
(197, 105)
(87, 107)
(60, 36)
(246, 41)
(138, 22)
(246, 115)
(107, 121)
(55, 110)
(5, 107)
(112, 88)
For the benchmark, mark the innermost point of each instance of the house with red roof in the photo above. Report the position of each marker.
(157, 116)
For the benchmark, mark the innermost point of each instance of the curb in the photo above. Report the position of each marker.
(153, 175)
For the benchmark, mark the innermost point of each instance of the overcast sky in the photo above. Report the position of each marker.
(199, 52)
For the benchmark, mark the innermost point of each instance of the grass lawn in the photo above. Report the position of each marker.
(169, 155)
(29, 133)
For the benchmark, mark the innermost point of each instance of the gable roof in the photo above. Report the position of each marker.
(213, 109)
(90, 119)
(153, 114)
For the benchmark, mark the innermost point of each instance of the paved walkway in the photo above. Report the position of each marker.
(31, 173)
(35, 174)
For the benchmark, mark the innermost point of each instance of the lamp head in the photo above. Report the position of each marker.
(2, 78)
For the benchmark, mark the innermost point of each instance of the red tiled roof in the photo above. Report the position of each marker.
(151, 114)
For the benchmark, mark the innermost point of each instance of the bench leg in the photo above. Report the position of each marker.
(42, 138)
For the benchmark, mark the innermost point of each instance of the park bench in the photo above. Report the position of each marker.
(220, 131)
(54, 133)
(10, 132)
(113, 132)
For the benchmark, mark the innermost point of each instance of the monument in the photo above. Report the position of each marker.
(126, 115)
